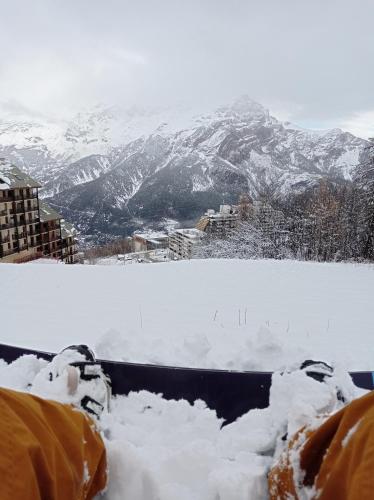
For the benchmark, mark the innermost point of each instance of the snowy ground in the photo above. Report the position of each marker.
(235, 314)
(222, 314)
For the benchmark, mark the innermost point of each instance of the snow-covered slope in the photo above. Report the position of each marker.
(187, 313)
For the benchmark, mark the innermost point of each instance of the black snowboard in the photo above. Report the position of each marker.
(230, 393)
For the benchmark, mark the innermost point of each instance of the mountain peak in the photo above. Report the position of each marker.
(246, 107)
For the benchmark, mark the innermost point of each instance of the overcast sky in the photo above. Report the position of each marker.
(310, 61)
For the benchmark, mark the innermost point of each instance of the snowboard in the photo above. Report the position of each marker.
(230, 393)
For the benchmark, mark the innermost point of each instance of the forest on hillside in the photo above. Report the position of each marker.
(331, 222)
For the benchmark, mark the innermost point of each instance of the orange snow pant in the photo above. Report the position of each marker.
(48, 450)
(336, 460)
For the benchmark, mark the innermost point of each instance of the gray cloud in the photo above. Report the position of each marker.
(309, 61)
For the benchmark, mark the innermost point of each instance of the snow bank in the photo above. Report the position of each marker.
(218, 314)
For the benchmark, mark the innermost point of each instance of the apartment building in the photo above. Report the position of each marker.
(183, 241)
(30, 229)
(219, 222)
(50, 232)
(68, 242)
(19, 215)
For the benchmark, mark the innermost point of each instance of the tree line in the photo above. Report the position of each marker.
(330, 222)
(115, 247)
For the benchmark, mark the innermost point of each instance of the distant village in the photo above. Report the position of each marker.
(182, 243)
(30, 229)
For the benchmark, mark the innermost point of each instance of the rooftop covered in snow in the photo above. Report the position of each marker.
(191, 233)
(152, 235)
(47, 213)
(68, 230)
(224, 211)
(11, 177)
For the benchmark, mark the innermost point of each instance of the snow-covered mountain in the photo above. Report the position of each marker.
(112, 170)
(46, 147)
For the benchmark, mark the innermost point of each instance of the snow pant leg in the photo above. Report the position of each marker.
(48, 450)
(336, 460)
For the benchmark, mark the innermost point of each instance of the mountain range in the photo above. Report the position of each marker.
(112, 171)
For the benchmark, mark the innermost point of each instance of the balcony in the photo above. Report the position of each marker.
(29, 222)
(5, 199)
(68, 251)
(6, 239)
(7, 226)
(24, 197)
(23, 209)
(30, 196)
(31, 209)
(4, 253)
(50, 229)
(18, 210)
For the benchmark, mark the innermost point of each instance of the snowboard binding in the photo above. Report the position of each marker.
(320, 371)
(87, 386)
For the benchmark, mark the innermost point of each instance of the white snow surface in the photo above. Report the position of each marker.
(221, 314)
(252, 315)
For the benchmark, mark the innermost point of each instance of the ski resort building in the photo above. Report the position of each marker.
(219, 222)
(19, 215)
(57, 236)
(149, 241)
(50, 232)
(29, 229)
(183, 241)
